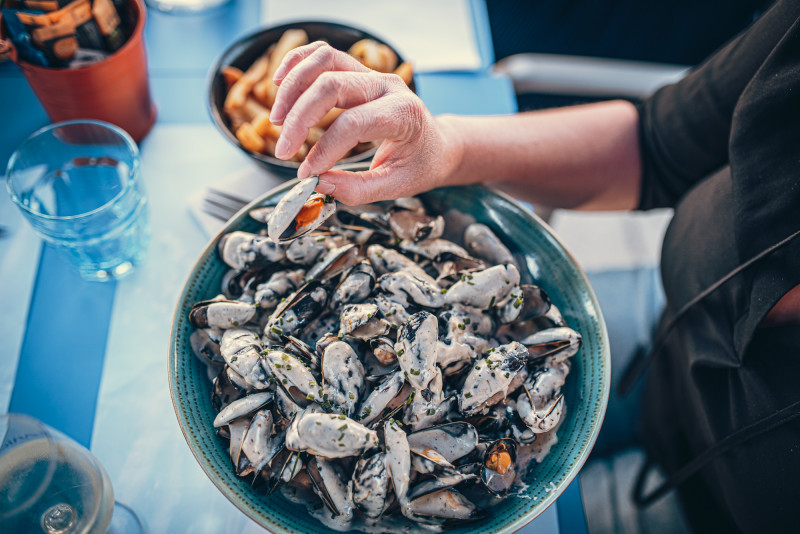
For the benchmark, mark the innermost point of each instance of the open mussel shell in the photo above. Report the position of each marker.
(241, 407)
(205, 345)
(225, 391)
(414, 225)
(300, 211)
(525, 302)
(499, 462)
(334, 262)
(451, 440)
(561, 342)
(281, 468)
(365, 216)
(329, 484)
(262, 214)
(447, 507)
(371, 488)
(302, 350)
(221, 313)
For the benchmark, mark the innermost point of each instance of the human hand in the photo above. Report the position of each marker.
(416, 153)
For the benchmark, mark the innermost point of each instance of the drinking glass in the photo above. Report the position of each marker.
(49, 484)
(79, 185)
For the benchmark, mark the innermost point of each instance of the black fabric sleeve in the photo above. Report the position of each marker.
(684, 128)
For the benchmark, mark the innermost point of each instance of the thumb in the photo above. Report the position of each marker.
(353, 188)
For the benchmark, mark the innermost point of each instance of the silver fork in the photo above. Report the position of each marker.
(221, 204)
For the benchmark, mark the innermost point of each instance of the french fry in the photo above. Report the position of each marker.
(405, 71)
(269, 147)
(238, 93)
(266, 129)
(301, 154)
(329, 117)
(231, 75)
(289, 40)
(388, 58)
(250, 140)
(374, 55)
(250, 111)
(314, 134)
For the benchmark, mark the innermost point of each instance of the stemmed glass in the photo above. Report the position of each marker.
(50, 484)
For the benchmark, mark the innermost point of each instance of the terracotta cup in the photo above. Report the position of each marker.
(114, 90)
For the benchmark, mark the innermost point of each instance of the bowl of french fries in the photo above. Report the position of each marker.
(241, 91)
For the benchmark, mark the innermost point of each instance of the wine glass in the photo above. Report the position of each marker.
(50, 484)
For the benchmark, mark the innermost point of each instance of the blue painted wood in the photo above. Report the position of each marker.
(571, 519)
(467, 93)
(61, 360)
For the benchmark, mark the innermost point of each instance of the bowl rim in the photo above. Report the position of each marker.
(511, 527)
(215, 70)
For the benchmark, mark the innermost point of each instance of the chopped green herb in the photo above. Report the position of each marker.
(468, 394)
(343, 417)
(233, 359)
(342, 428)
(276, 330)
(352, 396)
(310, 397)
(467, 320)
(401, 352)
(431, 411)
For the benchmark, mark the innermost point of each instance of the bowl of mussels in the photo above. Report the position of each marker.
(435, 362)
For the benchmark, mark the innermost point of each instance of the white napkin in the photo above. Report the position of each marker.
(434, 35)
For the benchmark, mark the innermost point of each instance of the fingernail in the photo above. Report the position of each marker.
(325, 187)
(302, 171)
(277, 112)
(282, 148)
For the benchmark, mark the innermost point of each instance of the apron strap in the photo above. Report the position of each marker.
(730, 441)
(639, 365)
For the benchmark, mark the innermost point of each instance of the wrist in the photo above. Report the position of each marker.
(451, 153)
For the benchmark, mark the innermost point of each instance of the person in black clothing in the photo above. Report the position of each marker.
(722, 147)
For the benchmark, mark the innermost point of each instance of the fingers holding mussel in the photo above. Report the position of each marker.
(300, 211)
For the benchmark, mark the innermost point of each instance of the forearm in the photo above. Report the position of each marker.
(582, 157)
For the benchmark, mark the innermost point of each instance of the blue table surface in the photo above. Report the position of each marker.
(180, 51)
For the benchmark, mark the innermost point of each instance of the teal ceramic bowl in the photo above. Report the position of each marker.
(548, 264)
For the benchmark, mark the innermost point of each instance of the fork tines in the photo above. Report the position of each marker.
(221, 204)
